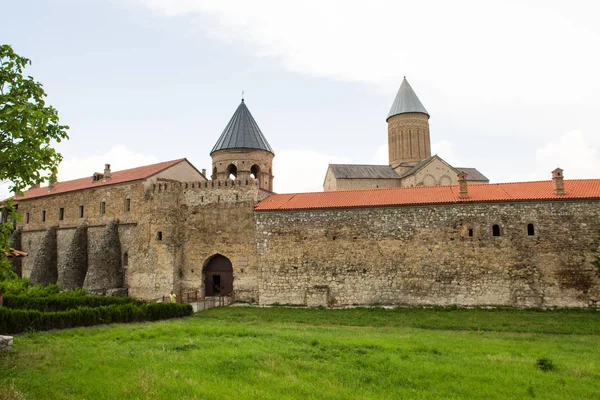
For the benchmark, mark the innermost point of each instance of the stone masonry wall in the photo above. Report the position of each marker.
(424, 255)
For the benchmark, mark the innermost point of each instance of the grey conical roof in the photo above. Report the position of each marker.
(406, 101)
(242, 132)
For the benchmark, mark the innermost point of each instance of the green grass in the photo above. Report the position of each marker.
(281, 353)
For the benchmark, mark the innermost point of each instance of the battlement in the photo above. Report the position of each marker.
(206, 193)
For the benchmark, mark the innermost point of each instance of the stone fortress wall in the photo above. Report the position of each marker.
(424, 255)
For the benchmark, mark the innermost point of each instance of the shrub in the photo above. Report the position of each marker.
(21, 320)
(23, 286)
(545, 364)
(63, 301)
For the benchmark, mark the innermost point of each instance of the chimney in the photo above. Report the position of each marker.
(51, 182)
(204, 172)
(463, 190)
(558, 185)
(107, 173)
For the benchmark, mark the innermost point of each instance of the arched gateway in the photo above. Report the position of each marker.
(218, 276)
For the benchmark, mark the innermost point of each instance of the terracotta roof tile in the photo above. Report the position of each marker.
(498, 192)
(126, 175)
(15, 253)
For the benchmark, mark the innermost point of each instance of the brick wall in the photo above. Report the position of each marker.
(424, 255)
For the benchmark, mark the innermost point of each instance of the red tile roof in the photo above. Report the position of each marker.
(15, 253)
(126, 175)
(498, 192)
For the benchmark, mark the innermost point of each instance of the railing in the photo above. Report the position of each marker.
(202, 303)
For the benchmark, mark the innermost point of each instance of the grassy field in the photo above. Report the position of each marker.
(281, 353)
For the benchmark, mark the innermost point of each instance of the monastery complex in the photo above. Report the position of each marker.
(417, 231)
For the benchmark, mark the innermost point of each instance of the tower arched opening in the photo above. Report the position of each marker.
(255, 172)
(232, 172)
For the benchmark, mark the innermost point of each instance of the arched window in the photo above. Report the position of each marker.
(496, 230)
(125, 259)
(255, 172)
(530, 230)
(232, 172)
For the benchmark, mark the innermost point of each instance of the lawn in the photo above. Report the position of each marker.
(281, 353)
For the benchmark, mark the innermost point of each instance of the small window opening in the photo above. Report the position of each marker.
(81, 212)
(255, 172)
(127, 204)
(496, 230)
(125, 259)
(218, 199)
(530, 230)
(102, 207)
(44, 216)
(61, 214)
(470, 232)
(159, 236)
(232, 172)
(237, 197)
(27, 218)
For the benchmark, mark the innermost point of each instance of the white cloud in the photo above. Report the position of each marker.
(520, 49)
(571, 152)
(119, 157)
(299, 171)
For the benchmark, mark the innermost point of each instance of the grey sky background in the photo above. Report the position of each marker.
(512, 87)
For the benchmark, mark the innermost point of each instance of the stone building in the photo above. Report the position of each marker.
(410, 159)
(149, 230)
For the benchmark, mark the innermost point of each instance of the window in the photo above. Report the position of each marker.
(102, 207)
(159, 236)
(125, 259)
(255, 172)
(231, 172)
(61, 214)
(44, 216)
(80, 211)
(128, 204)
(219, 199)
(496, 230)
(530, 230)
(470, 232)
(27, 218)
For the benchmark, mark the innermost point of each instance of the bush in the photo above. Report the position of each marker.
(63, 301)
(545, 364)
(21, 320)
(23, 286)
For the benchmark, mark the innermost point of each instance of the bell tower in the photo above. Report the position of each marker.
(242, 152)
(408, 129)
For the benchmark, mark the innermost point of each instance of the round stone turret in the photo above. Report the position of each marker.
(408, 128)
(242, 152)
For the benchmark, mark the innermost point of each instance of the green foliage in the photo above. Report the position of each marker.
(63, 301)
(22, 286)
(23, 320)
(28, 129)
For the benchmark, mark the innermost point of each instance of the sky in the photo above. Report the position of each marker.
(511, 86)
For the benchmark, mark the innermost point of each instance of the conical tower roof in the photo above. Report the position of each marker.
(406, 101)
(242, 132)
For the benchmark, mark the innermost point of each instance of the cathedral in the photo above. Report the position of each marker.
(417, 231)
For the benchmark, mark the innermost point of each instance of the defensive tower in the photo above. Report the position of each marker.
(408, 129)
(242, 151)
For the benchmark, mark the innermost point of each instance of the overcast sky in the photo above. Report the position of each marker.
(512, 87)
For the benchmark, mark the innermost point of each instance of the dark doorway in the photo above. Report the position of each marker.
(218, 276)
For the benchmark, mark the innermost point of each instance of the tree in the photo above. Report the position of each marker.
(28, 129)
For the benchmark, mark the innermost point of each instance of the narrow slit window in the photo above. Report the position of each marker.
(61, 214)
(159, 236)
(44, 216)
(102, 208)
(81, 212)
(530, 230)
(496, 230)
(27, 218)
(470, 232)
(127, 204)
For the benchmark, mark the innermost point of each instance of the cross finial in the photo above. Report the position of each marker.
(242, 96)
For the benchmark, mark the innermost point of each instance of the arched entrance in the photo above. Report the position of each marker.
(218, 276)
